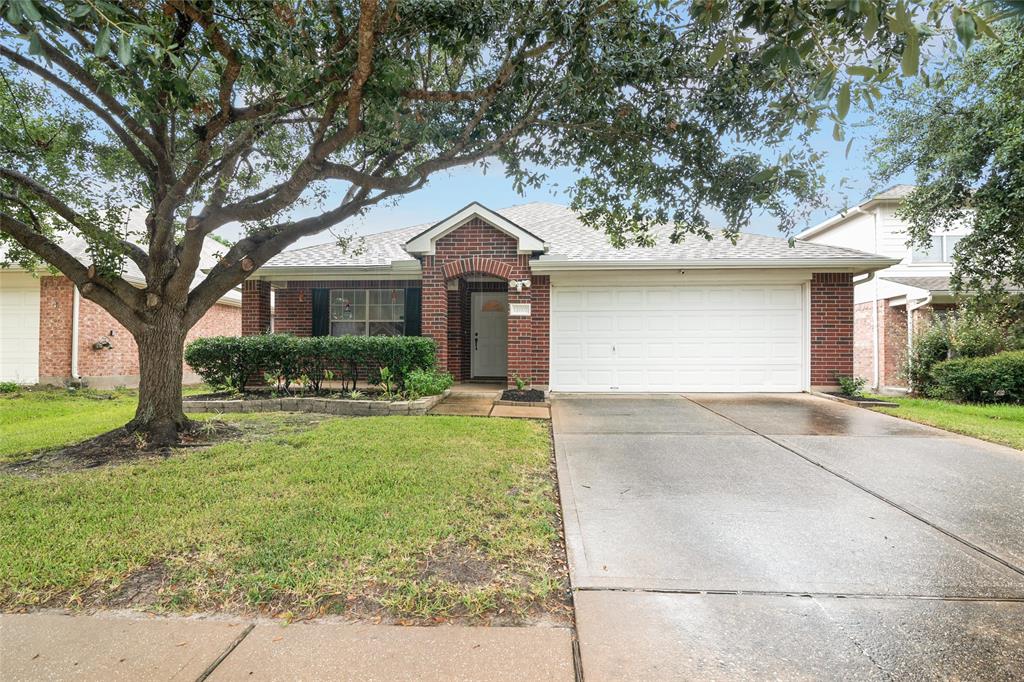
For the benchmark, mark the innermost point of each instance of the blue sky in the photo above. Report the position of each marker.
(448, 192)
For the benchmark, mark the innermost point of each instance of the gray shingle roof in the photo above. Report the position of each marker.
(569, 239)
(933, 284)
(926, 283)
(78, 249)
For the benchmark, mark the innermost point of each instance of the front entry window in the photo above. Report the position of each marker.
(368, 312)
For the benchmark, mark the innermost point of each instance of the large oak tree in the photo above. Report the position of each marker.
(289, 117)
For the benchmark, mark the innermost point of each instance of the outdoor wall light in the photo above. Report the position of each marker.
(519, 284)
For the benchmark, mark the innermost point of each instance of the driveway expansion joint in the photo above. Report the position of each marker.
(804, 595)
(950, 534)
(227, 652)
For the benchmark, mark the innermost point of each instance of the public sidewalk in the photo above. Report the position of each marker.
(48, 646)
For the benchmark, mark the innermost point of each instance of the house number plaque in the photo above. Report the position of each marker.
(519, 309)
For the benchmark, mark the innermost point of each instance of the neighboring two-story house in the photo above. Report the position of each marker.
(891, 303)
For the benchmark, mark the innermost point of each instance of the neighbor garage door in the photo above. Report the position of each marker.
(677, 338)
(19, 328)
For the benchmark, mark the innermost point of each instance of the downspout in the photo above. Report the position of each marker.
(74, 333)
(875, 350)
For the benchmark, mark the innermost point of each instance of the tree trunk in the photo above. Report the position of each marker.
(159, 415)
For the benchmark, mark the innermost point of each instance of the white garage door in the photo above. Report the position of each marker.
(19, 328)
(677, 338)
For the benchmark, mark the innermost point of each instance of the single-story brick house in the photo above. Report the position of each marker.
(49, 334)
(529, 291)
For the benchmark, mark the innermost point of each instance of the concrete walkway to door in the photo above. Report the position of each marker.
(787, 536)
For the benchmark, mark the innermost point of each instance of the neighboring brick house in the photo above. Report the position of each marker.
(531, 292)
(51, 335)
(899, 300)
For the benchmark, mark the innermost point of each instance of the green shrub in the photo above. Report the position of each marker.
(991, 379)
(930, 346)
(421, 382)
(971, 336)
(8, 387)
(852, 387)
(227, 362)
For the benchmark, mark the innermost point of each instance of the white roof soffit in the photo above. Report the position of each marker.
(423, 243)
(853, 265)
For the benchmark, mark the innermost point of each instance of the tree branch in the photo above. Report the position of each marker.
(98, 289)
(145, 162)
(133, 251)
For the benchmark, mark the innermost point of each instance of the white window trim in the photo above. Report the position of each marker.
(366, 321)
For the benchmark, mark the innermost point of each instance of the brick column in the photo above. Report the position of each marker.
(255, 307)
(435, 308)
(541, 322)
(56, 295)
(831, 327)
(520, 329)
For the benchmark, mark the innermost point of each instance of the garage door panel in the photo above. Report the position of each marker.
(682, 338)
(19, 328)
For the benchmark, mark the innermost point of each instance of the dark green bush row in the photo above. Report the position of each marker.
(992, 379)
(230, 362)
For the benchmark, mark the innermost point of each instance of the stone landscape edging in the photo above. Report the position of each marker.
(338, 406)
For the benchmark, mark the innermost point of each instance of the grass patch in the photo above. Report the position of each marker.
(406, 518)
(1003, 424)
(34, 419)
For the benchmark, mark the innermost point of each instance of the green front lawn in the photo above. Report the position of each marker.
(34, 419)
(1002, 424)
(44, 418)
(399, 518)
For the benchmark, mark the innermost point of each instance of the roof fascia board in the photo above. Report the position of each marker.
(816, 264)
(423, 243)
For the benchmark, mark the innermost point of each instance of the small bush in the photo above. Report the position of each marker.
(852, 387)
(8, 387)
(228, 362)
(991, 379)
(421, 382)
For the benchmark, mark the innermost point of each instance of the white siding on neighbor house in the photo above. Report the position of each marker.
(729, 338)
(19, 327)
(880, 231)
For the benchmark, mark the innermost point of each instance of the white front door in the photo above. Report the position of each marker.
(678, 338)
(488, 334)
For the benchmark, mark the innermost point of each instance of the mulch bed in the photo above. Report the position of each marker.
(863, 400)
(530, 395)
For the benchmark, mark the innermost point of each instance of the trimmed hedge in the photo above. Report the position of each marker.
(230, 362)
(992, 379)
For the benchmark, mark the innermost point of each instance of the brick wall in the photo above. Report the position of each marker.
(541, 316)
(55, 304)
(831, 327)
(293, 301)
(493, 253)
(121, 360)
(255, 307)
(892, 343)
(864, 341)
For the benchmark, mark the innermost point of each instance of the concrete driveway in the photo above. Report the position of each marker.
(730, 537)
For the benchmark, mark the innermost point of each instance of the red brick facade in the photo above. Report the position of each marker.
(892, 339)
(255, 307)
(114, 365)
(831, 327)
(477, 248)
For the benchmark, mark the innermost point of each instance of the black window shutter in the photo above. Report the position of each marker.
(321, 312)
(413, 311)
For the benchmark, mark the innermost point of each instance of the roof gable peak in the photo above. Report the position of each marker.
(423, 244)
